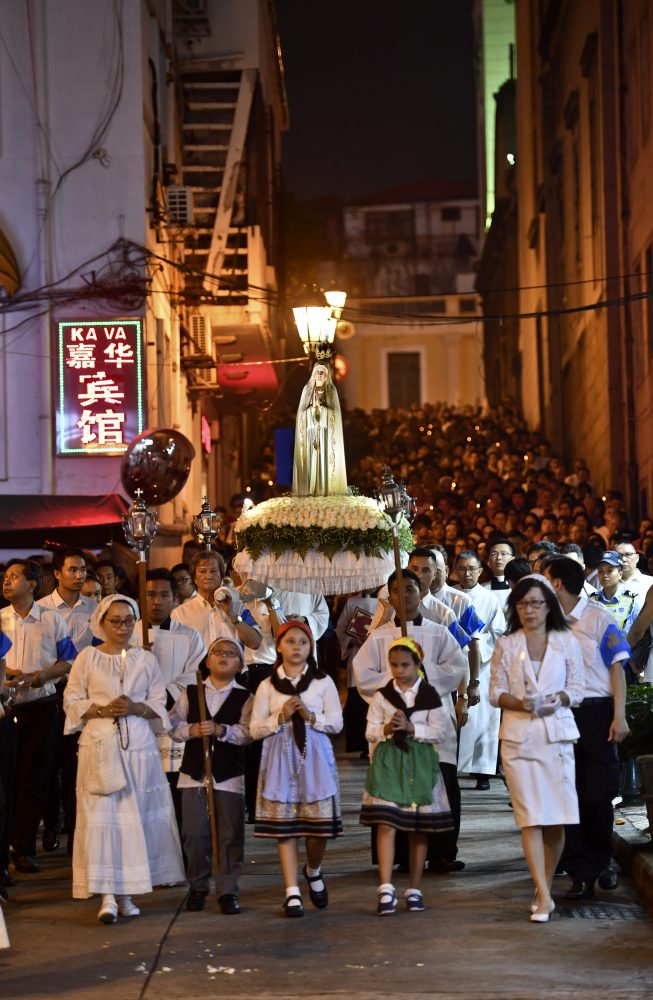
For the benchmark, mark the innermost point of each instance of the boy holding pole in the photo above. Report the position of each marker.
(212, 718)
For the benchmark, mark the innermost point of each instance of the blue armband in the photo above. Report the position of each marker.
(613, 641)
(66, 649)
(470, 621)
(459, 634)
(249, 620)
(5, 644)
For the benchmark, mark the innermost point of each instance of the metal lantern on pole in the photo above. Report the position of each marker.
(206, 524)
(140, 526)
(393, 498)
(317, 317)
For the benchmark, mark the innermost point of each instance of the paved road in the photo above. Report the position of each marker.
(474, 940)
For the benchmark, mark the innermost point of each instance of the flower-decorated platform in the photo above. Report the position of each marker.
(318, 545)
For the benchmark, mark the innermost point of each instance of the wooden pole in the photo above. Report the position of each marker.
(400, 579)
(142, 597)
(208, 773)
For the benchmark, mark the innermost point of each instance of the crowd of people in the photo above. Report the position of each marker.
(528, 607)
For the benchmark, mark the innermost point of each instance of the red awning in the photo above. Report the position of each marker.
(87, 521)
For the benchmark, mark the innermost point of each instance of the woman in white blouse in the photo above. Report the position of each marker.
(126, 837)
(536, 676)
(295, 711)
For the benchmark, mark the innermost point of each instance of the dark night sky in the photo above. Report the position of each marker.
(380, 93)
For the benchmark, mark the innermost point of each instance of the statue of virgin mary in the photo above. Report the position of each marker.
(319, 467)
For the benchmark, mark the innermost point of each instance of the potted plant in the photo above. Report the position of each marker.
(636, 751)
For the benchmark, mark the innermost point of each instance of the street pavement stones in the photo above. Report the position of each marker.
(473, 941)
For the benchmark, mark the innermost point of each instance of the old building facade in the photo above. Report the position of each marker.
(139, 170)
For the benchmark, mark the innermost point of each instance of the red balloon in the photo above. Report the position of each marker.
(158, 463)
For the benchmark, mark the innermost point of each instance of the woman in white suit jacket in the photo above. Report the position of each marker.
(536, 676)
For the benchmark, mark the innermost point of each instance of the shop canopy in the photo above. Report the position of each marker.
(86, 521)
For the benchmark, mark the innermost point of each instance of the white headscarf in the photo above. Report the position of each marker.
(96, 618)
(541, 579)
(234, 642)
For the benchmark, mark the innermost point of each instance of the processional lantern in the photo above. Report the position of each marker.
(206, 524)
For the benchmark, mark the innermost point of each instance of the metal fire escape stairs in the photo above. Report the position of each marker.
(217, 103)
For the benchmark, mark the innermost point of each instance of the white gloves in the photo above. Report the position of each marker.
(539, 704)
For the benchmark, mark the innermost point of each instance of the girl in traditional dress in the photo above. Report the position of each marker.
(126, 840)
(295, 711)
(404, 790)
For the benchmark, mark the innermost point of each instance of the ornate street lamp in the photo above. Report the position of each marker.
(206, 524)
(316, 319)
(140, 526)
(393, 498)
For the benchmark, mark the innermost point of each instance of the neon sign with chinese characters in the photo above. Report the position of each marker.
(100, 386)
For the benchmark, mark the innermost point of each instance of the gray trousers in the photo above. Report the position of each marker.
(196, 836)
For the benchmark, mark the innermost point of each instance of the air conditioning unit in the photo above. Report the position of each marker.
(198, 354)
(180, 205)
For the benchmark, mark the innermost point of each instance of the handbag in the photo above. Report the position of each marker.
(106, 772)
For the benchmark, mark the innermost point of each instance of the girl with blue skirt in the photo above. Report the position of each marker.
(295, 711)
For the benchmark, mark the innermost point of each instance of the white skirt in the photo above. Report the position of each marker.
(126, 842)
(541, 778)
(4, 937)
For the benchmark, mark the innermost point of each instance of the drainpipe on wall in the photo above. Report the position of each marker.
(44, 225)
(632, 468)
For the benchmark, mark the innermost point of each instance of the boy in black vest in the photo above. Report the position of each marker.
(229, 707)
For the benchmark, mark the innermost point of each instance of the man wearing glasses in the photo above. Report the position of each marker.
(633, 579)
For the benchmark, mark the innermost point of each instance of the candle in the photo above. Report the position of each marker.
(123, 656)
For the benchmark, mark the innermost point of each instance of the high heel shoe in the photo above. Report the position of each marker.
(542, 916)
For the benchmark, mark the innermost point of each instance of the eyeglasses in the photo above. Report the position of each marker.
(120, 622)
(525, 605)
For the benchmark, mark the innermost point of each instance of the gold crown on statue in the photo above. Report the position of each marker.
(324, 352)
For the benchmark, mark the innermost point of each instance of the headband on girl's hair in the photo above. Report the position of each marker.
(407, 642)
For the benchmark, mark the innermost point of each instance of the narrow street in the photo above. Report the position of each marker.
(473, 941)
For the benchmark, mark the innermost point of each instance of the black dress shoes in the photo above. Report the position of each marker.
(26, 864)
(608, 878)
(196, 900)
(50, 840)
(580, 890)
(483, 785)
(6, 880)
(229, 904)
(319, 898)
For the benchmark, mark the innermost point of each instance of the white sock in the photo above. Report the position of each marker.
(410, 892)
(312, 872)
(386, 887)
(109, 899)
(293, 890)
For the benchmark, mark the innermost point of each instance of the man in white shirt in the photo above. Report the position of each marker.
(446, 668)
(210, 617)
(479, 739)
(633, 579)
(601, 721)
(41, 653)
(179, 650)
(67, 599)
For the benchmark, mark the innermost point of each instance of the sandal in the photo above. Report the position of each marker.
(387, 901)
(415, 901)
(319, 898)
(295, 910)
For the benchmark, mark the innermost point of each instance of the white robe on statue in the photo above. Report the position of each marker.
(479, 737)
(125, 842)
